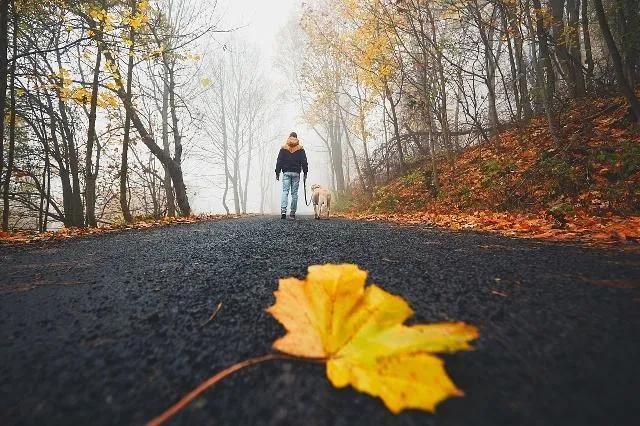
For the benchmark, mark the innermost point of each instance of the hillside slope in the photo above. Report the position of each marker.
(521, 183)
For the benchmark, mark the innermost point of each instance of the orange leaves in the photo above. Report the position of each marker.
(580, 227)
(580, 191)
(25, 237)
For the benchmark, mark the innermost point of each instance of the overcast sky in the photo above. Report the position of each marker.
(263, 19)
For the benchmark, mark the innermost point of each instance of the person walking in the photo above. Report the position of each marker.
(291, 161)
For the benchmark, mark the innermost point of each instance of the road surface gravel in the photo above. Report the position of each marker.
(106, 330)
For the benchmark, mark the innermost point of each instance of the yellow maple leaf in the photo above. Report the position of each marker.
(359, 331)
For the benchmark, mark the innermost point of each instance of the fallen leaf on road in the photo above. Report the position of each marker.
(359, 331)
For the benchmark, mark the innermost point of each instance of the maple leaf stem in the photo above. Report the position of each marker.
(167, 414)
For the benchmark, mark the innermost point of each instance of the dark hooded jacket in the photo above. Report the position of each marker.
(292, 157)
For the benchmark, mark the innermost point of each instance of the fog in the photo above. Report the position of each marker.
(258, 26)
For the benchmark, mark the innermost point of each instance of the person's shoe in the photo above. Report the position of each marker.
(283, 216)
(292, 215)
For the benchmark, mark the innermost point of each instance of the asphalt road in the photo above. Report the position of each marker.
(107, 329)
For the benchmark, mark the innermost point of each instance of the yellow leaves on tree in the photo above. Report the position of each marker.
(350, 33)
(101, 16)
(143, 6)
(370, 42)
(67, 90)
(108, 21)
(82, 96)
(137, 20)
(359, 331)
(107, 100)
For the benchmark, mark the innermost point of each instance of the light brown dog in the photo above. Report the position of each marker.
(321, 198)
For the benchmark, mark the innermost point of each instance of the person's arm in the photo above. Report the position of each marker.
(305, 165)
(279, 165)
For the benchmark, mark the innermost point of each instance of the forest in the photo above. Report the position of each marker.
(501, 106)
(104, 101)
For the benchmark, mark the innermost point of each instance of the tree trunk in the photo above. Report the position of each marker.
(629, 39)
(48, 195)
(427, 118)
(4, 71)
(43, 185)
(444, 117)
(520, 64)
(494, 121)
(625, 87)
(177, 137)
(586, 36)
(435, 182)
(560, 46)
(235, 182)
(65, 177)
(573, 48)
(512, 63)
(246, 177)
(387, 166)
(490, 65)
(370, 177)
(336, 149)
(45, 189)
(396, 127)
(225, 149)
(12, 122)
(363, 183)
(124, 162)
(90, 176)
(168, 188)
(76, 214)
(456, 124)
(537, 98)
(546, 73)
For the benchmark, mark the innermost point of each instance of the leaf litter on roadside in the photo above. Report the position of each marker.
(521, 184)
(27, 236)
(358, 331)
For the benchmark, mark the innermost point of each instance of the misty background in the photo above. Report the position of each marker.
(258, 30)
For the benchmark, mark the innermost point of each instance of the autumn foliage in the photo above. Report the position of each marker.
(521, 183)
